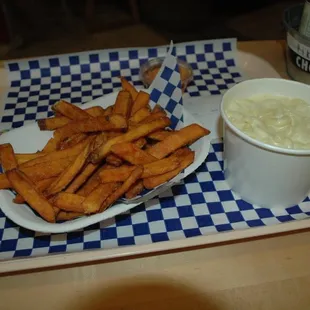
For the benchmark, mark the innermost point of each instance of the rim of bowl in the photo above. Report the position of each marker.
(256, 142)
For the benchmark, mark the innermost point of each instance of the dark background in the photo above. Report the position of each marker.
(39, 27)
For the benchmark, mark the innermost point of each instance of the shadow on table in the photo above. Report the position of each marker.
(147, 293)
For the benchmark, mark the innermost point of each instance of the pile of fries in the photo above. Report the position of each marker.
(97, 156)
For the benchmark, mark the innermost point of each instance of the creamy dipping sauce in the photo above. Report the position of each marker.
(275, 120)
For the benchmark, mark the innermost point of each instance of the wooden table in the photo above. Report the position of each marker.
(267, 273)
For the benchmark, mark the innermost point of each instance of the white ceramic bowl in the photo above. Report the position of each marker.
(262, 174)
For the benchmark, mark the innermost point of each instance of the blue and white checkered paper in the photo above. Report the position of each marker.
(38, 83)
(202, 204)
(166, 90)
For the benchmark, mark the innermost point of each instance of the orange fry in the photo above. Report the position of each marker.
(69, 173)
(82, 177)
(68, 216)
(119, 174)
(154, 181)
(69, 202)
(94, 200)
(131, 153)
(135, 190)
(53, 123)
(129, 87)
(157, 108)
(160, 135)
(140, 143)
(35, 199)
(96, 124)
(114, 160)
(4, 182)
(71, 141)
(95, 111)
(91, 183)
(108, 110)
(70, 110)
(140, 102)
(120, 191)
(69, 152)
(153, 116)
(123, 103)
(100, 138)
(41, 186)
(139, 116)
(50, 146)
(160, 166)
(184, 136)
(47, 169)
(22, 158)
(129, 136)
(7, 157)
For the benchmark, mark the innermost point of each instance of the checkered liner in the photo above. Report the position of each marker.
(166, 90)
(38, 83)
(203, 204)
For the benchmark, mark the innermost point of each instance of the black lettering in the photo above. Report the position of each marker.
(298, 60)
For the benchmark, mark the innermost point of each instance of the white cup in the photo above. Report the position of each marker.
(262, 174)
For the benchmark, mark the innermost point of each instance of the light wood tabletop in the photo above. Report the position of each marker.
(263, 273)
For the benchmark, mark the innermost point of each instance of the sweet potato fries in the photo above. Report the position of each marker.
(97, 156)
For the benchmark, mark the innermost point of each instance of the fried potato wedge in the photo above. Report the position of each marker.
(108, 110)
(131, 135)
(160, 166)
(135, 190)
(94, 200)
(114, 160)
(141, 101)
(160, 135)
(35, 199)
(41, 186)
(87, 171)
(56, 155)
(47, 169)
(71, 141)
(4, 182)
(140, 143)
(96, 124)
(139, 116)
(68, 216)
(70, 110)
(7, 157)
(131, 153)
(69, 173)
(157, 108)
(69, 202)
(23, 158)
(119, 174)
(123, 104)
(153, 117)
(129, 87)
(157, 180)
(184, 136)
(120, 191)
(95, 111)
(51, 145)
(53, 123)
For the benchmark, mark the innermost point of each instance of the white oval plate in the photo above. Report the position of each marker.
(29, 139)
